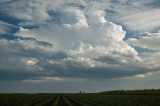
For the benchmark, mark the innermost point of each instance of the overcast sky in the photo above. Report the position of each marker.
(79, 45)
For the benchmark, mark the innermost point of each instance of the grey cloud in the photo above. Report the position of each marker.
(74, 70)
(109, 60)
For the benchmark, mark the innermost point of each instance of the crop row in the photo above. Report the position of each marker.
(120, 100)
(79, 100)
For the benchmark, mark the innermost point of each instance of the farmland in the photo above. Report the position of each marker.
(109, 98)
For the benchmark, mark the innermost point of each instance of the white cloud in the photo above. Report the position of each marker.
(144, 20)
(36, 11)
(148, 40)
(96, 17)
(151, 60)
(80, 18)
(143, 75)
(43, 79)
(137, 15)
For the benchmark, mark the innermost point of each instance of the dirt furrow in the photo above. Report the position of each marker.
(51, 102)
(62, 101)
(75, 102)
(85, 102)
(35, 103)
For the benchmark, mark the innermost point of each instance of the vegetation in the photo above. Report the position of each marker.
(107, 98)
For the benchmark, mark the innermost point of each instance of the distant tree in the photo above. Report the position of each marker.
(80, 92)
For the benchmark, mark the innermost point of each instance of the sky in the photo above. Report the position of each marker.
(79, 45)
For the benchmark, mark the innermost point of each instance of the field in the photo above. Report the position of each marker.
(110, 98)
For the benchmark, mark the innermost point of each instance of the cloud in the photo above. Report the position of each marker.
(21, 57)
(66, 57)
(143, 75)
(145, 20)
(136, 16)
(38, 59)
(139, 76)
(137, 13)
(7, 28)
(56, 40)
(36, 11)
(147, 40)
(151, 60)
(43, 79)
(79, 17)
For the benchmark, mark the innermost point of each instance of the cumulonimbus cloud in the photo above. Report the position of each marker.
(67, 39)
